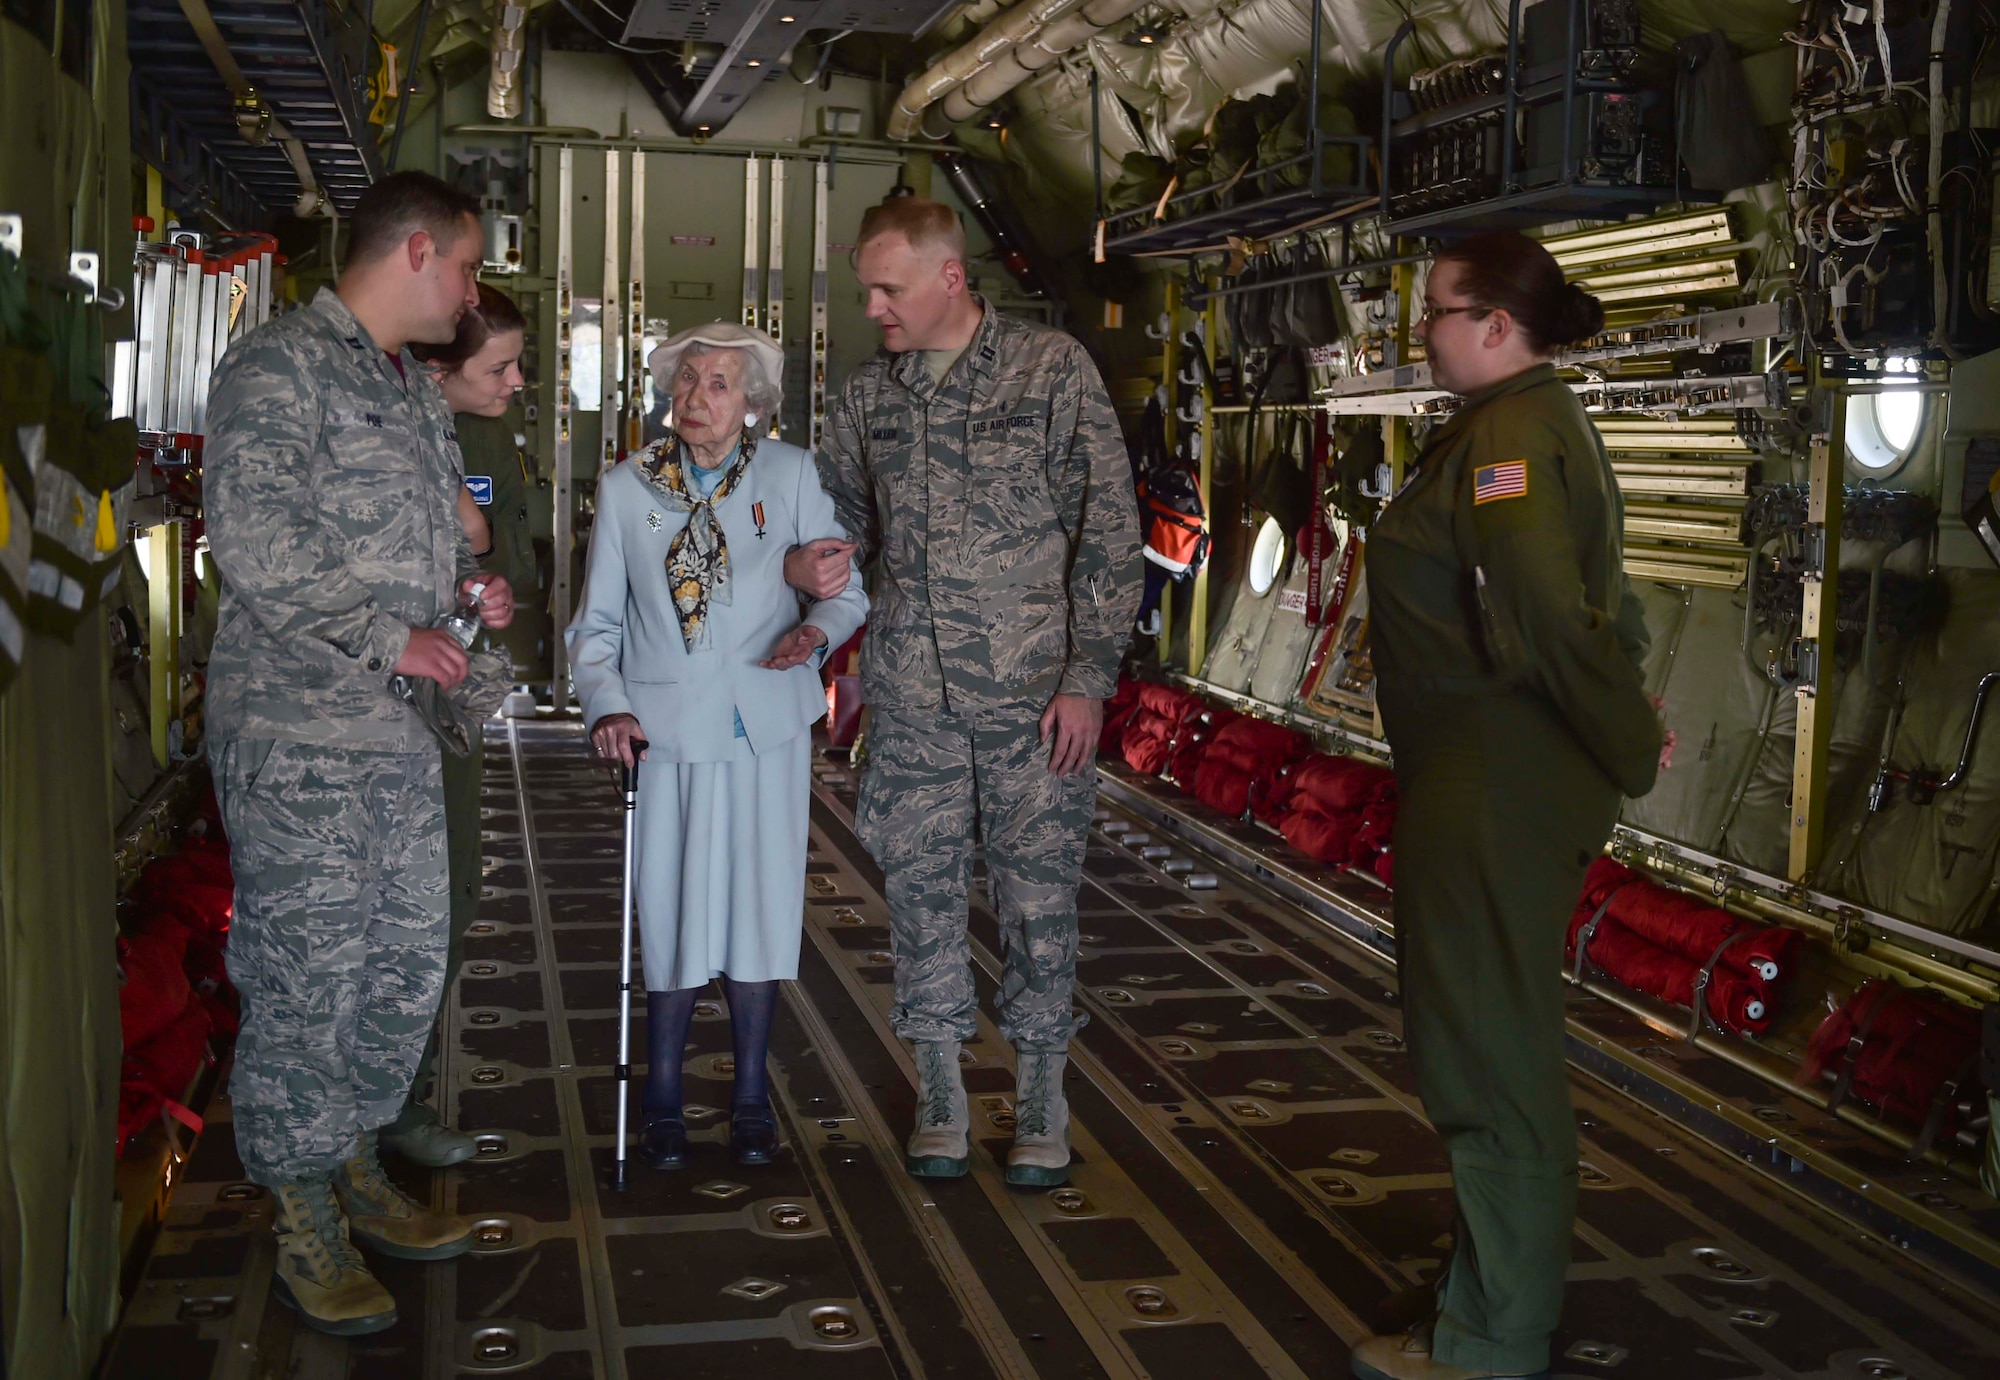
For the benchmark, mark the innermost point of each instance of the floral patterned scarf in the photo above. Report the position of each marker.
(698, 559)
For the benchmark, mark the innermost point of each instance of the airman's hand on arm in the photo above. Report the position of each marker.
(819, 568)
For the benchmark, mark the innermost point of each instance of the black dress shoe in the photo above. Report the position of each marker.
(664, 1143)
(753, 1135)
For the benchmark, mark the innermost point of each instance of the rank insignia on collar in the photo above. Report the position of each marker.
(1506, 480)
(654, 521)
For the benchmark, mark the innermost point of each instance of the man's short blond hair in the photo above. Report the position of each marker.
(929, 226)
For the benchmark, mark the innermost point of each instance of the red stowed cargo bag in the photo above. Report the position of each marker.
(1151, 732)
(1905, 1052)
(1118, 711)
(1245, 756)
(1191, 744)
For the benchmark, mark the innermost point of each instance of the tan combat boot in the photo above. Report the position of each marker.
(939, 1147)
(384, 1218)
(319, 1273)
(1040, 1157)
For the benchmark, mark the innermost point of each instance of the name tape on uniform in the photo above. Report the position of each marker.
(1509, 479)
(481, 488)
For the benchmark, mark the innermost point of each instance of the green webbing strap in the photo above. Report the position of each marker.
(77, 352)
(18, 325)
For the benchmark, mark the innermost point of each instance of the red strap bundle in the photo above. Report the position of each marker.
(1340, 810)
(1688, 926)
(1330, 838)
(843, 710)
(1191, 744)
(169, 1061)
(1339, 784)
(152, 982)
(194, 887)
(1376, 836)
(1735, 1002)
(1124, 702)
(1245, 755)
(1905, 1045)
(1150, 732)
(1168, 702)
(174, 990)
(1657, 940)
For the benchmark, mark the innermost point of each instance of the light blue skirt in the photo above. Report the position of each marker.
(722, 866)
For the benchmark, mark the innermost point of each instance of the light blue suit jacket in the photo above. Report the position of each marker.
(625, 647)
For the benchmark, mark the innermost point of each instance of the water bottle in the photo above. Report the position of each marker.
(464, 626)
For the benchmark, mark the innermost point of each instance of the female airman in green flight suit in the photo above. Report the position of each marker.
(1507, 644)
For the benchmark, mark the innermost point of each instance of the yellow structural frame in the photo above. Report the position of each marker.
(1817, 625)
(163, 636)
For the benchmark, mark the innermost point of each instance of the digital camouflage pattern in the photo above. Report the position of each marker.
(330, 489)
(1001, 507)
(998, 509)
(337, 944)
(929, 780)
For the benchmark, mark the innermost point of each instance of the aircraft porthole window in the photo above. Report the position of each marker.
(1267, 557)
(1882, 428)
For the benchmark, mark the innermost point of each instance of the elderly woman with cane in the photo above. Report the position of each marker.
(690, 641)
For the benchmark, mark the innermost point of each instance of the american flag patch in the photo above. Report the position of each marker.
(1506, 480)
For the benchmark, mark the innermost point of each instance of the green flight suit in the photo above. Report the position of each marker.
(497, 476)
(499, 485)
(1506, 643)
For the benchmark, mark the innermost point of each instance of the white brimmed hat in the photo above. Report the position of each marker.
(719, 335)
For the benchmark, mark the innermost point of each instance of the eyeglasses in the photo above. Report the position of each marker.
(1431, 313)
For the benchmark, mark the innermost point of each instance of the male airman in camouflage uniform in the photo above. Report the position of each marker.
(330, 486)
(978, 462)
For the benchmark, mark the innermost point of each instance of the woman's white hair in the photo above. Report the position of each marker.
(762, 394)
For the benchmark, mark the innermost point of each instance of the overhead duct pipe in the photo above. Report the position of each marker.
(510, 46)
(1015, 27)
(1024, 60)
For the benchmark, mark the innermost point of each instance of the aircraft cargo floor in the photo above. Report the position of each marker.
(1253, 1175)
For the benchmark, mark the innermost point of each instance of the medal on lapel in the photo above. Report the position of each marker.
(757, 513)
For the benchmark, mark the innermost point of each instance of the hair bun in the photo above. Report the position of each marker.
(1581, 317)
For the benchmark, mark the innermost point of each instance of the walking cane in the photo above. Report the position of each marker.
(624, 1071)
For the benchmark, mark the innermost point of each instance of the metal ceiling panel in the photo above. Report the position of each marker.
(784, 21)
(755, 36)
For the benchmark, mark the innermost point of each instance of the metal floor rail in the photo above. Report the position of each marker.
(1254, 1176)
